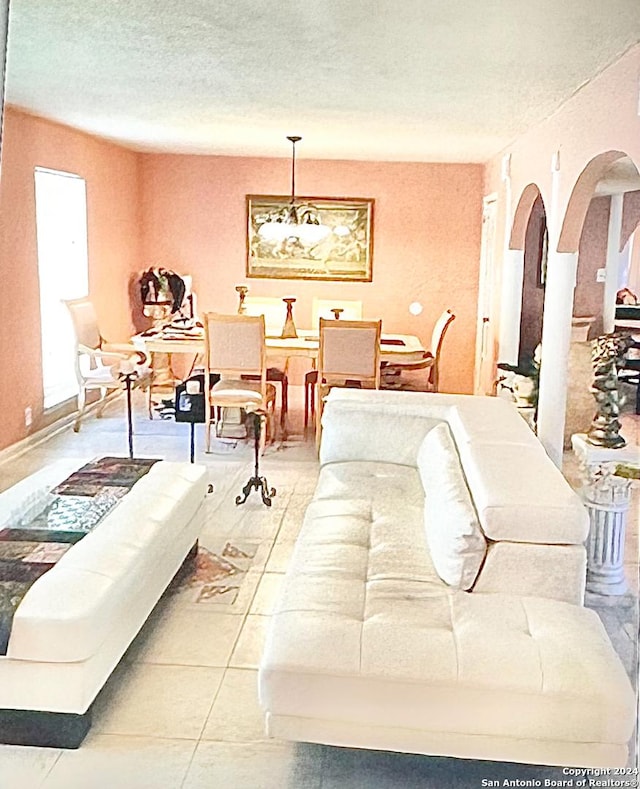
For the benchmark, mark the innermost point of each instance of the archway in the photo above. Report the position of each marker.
(580, 199)
(523, 281)
(533, 283)
(601, 217)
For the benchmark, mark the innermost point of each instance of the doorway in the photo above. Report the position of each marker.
(484, 376)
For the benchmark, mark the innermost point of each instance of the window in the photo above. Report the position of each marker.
(63, 271)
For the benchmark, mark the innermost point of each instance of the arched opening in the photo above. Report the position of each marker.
(522, 215)
(533, 282)
(600, 224)
(523, 312)
(580, 199)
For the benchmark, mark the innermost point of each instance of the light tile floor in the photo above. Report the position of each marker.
(181, 709)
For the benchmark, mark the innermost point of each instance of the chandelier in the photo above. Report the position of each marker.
(297, 221)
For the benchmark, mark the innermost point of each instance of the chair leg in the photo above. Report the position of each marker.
(309, 402)
(284, 407)
(101, 403)
(270, 424)
(434, 378)
(82, 402)
(318, 415)
(265, 430)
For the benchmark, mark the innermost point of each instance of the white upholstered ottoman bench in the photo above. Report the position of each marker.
(76, 621)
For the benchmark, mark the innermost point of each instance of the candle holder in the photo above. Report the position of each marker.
(337, 312)
(242, 291)
(289, 328)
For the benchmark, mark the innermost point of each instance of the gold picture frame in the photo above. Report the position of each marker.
(344, 253)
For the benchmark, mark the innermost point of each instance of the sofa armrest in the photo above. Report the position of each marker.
(520, 495)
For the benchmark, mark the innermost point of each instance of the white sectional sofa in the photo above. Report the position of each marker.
(76, 621)
(433, 603)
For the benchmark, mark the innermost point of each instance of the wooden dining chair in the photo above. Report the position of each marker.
(349, 355)
(392, 373)
(326, 308)
(274, 311)
(235, 346)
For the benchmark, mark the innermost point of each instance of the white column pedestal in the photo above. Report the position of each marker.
(607, 499)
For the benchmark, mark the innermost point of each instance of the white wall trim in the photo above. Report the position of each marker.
(14, 451)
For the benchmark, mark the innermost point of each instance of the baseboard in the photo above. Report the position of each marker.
(14, 451)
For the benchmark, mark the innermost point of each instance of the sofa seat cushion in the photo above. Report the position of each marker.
(455, 539)
(347, 541)
(365, 521)
(415, 656)
(377, 482)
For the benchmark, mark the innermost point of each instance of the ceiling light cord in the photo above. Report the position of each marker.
(293, 139)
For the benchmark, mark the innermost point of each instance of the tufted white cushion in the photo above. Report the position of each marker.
(456, 541)
(414, 657)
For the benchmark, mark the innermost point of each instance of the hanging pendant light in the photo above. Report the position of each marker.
(298, 222)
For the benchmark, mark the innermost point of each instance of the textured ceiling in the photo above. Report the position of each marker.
(418, 80)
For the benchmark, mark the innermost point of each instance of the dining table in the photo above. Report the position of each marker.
(396, 349)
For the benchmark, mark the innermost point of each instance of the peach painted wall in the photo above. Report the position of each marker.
(630, 216)
(113, 203)
(427, 222)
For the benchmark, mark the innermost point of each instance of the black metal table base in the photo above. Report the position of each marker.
(256, 482)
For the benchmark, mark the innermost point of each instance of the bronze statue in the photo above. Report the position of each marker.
(606, 355)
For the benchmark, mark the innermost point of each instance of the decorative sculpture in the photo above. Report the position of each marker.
(289, 328)
(242, 291)
(606, 355)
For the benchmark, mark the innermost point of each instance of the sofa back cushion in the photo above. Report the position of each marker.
(374, 431)
(456, 541)
(520, 495)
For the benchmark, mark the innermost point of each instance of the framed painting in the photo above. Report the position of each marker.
(312, 238)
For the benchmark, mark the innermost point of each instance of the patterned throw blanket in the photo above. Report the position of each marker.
(32, 545)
